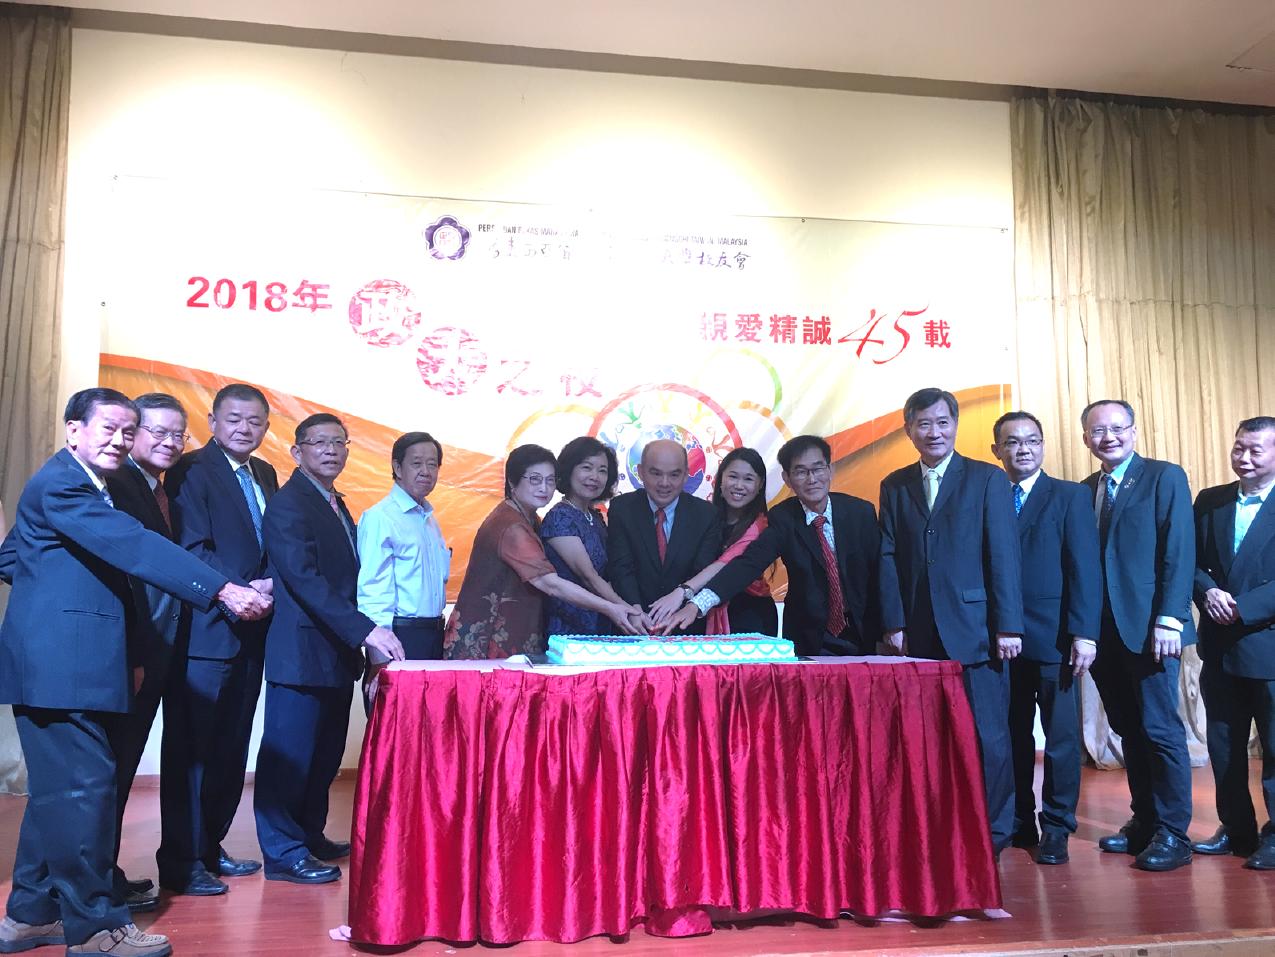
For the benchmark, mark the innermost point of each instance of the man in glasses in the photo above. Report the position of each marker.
(218, 496)
(1147, 540)
(313, 657)
(1062, 604)
(138, 490)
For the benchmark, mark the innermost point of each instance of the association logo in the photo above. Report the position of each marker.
(446, 238)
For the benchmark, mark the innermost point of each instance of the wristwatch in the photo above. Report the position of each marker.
(687, 592)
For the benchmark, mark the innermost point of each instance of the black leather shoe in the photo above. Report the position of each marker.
(1025, 837)
(1263, 859)
(228, 866)
(306, 871)
(1053, 848)
(326, 850)
(139, 902)
(1130, 839)
(202, 884)
(1164, 853)
(145, 884)
(1223, 842)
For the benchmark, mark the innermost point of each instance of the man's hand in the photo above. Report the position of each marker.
(624, 619)
(640, 620)
(385, 644)
(1221, 606)
(681, 620)
(1008, 646)
(1167, 643)
(1083, 652)
(894, 642)
(243, 602)
(667, 606)
(263, 585)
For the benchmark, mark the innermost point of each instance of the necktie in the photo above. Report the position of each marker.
(106, 497)
(836, 603)
(341, 517)
(161, 499)
(931, 488)
(661, 540)
(1018, 499)
(1108, 504)
(250, 494)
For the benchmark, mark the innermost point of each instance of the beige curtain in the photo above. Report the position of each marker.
(35, 79)
(1145, 270)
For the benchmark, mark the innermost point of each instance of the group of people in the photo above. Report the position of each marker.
(145, 576)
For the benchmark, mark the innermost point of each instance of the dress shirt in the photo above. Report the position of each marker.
(328, 494)
(669, 509)
(827, 525)
(96, 479)
(404, 563)
(1246, 508)
(235, 466)
(1027, 485)
(940, 470)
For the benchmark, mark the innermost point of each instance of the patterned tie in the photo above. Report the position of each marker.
(931, 488)
(250, 494)
(161, 499)
(836, 603)
(1108, 504)
(661, 540)
(106, 497)
(1018, 499)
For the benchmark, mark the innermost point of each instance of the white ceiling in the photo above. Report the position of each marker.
(1164, 48)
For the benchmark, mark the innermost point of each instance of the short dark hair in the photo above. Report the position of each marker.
(159, 400)
(924, 398)
(521, 459)
(581, 448)
(1092, 405)
(319, 418)
(81, 406)
(798, 446)
(241, 391)
(406, 441)
(754, 508)
(1259, 423)
(1014, 417)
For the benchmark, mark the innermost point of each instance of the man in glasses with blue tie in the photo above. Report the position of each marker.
(1234, 571)
(1146, 536)
(218, 495)
(1062, 607)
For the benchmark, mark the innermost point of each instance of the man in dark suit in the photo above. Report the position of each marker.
(137, 490)
(951, 579)
(67, 666)
(1143, 510)
(658, 536)
(830, 545)
(218, 495)
(1062, 606)
(1234, 571)
(312, 657)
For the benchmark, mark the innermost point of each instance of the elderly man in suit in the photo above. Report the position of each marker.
(68, 668)
(951, 581)
(1143, 511)
(1234, 571)
(312, 657)
(1062, 605)
(218, 495)
(830, 546)
(659, 536)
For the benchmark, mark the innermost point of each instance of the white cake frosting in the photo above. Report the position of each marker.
(616, 651)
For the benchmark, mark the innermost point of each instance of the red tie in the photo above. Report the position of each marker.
(161, 499)
(661, 540)
(836, 603)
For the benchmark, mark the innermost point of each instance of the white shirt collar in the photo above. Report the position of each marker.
(150, 479)
(1027, 483)
(235, 464)
(96, 479)
(1260, 494)
(826, 513)
(941, 468)
(405, 501)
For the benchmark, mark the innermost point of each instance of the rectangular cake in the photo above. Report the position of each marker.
(617, 651)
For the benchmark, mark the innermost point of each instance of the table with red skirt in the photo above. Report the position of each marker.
(504, 802)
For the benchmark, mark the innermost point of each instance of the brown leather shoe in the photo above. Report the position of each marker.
(16, 936)
(126, 941)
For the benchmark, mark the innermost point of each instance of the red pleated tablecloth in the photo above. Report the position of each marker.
(514, 803)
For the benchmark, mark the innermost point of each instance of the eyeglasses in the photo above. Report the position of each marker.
(801, 473)
(179, 438)
(326, 443)
(1009, 445)
(1115, 431)
(536, 480)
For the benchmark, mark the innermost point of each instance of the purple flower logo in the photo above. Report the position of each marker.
(446, 238)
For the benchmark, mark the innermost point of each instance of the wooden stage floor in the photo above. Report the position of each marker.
(1095, 905)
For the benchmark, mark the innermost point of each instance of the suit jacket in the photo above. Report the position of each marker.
(316, 634)
(1062, 577)
(157, 614)
(63, 644)
(788, 537)
(1149, 560)
(635, 569)
(958, 569)
(1246, 648)
(211, 520)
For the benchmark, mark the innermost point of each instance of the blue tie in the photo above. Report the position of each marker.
(1018, 499)
(250, 493)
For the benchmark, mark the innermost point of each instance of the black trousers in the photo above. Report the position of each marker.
(1050, 685)
(207, 725)
(62, 870)
(1231, 704)
(1141, 698)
